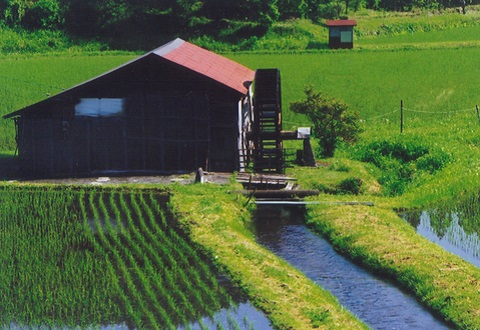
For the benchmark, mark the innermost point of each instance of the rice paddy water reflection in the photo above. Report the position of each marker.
(453, 227)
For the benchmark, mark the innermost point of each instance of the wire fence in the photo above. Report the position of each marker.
(439, 112)
(404, 115)
(409, 116)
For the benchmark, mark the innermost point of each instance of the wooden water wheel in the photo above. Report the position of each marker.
(267, 122)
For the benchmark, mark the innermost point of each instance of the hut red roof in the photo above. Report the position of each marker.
(209, 64)
(344, 22)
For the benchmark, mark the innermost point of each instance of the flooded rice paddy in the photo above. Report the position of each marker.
(107, 260)
(455, 227)
(374, 300)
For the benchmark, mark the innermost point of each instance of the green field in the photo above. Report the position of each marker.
(437, 82)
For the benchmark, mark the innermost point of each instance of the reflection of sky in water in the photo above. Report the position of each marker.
(241, 316)
(455, 239)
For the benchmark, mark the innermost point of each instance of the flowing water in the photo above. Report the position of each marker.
(374, 300)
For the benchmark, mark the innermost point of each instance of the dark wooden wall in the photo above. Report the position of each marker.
(173, 121)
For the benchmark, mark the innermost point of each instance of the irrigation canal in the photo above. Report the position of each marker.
(376, 301)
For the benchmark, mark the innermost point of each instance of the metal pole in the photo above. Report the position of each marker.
(401, 116)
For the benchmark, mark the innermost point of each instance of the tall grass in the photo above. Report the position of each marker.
(464, 34)
(373, 24)
(18, 41)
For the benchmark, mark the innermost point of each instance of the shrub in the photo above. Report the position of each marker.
(332, 121)
(350, 186)
(43, 14)
(433, 162)
(331, 10)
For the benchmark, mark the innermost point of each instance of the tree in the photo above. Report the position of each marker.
(263, 11)
(354, 4)
(331, 119)
(42, 14)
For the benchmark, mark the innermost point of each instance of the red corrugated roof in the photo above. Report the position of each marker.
(342, 22)
(209, 64)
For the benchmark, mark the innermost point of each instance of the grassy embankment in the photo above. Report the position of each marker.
(218, 221)
(434, 73)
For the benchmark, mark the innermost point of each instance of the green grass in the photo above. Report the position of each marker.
(373, 24)
(374, 82)
(437, 87)
(468, 35)
(18, 41)
(378, 239)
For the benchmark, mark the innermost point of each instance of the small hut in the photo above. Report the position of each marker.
(340, 33)
(174, 109)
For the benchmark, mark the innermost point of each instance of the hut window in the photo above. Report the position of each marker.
(104, 107)
(346, 36)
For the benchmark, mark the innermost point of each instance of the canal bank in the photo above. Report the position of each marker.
(384, 243)
(220, 224)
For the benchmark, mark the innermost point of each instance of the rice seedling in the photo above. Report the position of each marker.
(50, 258)
(202, 275)
(173, 269)
(98, 256)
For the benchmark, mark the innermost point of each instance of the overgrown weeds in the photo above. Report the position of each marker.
(401, 160)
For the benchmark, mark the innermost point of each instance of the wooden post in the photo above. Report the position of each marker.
(478, 113)
(401, 116)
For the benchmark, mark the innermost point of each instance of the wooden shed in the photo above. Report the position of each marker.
(174, 109)
(340, 33)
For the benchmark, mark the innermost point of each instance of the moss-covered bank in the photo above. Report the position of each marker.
(218, 221)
